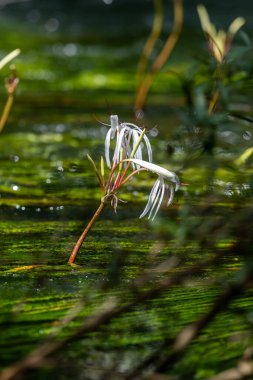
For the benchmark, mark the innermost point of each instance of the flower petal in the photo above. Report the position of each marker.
(151, 198)
(171, 190)
(114, 124)
(159, 170)
(120, 143)
(161, 195)
(107, 148)
(147, 142)
(138, 153)
(149, 149)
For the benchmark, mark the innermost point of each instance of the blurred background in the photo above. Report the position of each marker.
(78, 66)
(82, 56)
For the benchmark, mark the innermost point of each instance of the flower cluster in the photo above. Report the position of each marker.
(127, 136)
(160, 186)
(129, 144)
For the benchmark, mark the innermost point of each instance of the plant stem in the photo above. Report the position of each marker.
(143, 89)
(6, 111)
(152, 39)
(85, 232)
(213, 102)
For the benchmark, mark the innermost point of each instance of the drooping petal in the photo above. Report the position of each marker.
(149, 149)
(132, 126)
(157, 193)
(114, 125)
(171, 194)
(107, 147)
(147, 142)
(155, 201)
(151, 198)
(120, 143)
(159, 199)
(138, 153)
(159, 170)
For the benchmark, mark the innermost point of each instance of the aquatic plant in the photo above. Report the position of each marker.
(145, 77)
(218, 107)
(219, 41)
(127, 161)
(219, 45)
(11, 86)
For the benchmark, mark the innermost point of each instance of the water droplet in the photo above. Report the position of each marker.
(153, 132)
(14, 158)
(60, 128)
(139, 114)
(52, 25)
(33, 16)
(70, 50)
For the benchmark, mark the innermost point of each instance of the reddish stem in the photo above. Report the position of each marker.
(84, 234)
(128, 177)
(6, 111)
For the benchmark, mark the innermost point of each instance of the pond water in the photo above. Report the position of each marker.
(77, 67)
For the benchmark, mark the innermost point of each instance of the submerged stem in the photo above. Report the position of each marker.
(85, 232)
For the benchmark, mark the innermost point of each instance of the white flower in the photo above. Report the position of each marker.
(158, 190)
(127, 135)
